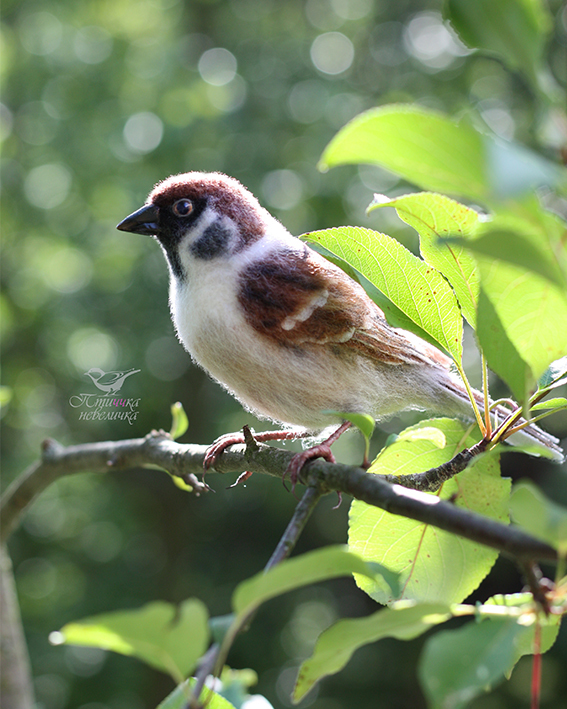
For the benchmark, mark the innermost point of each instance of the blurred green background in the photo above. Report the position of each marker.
(101, 99)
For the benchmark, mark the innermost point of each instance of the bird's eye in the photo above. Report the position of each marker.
(183, 207)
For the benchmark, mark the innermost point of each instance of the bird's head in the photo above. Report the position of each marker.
(199, 216)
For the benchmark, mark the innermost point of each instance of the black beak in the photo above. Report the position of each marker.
(145, 221)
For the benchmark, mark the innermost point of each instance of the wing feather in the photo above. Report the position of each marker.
(298, 297)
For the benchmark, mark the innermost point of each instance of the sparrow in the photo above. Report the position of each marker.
(285, 331)
(109, 382)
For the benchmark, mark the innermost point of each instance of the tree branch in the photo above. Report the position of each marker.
(157, 449)
(16, 687)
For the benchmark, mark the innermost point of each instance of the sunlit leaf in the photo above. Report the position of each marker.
(424, 147)
(555, 404)
(169, 638)
(515, 249)
(533, 315)
(364, 422)
(434, 566)
(501, 354)
(6, 394)
(336, 645)
(180, 422)
(435, 216)
(412, 285)
(393, 314)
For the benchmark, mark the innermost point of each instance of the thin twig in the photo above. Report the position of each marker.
(296, 525)
(284, 548)
(431, 480)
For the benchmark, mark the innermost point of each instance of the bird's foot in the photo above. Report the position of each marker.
(321, 450)
(218, 447)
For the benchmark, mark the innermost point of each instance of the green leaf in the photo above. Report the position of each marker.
(434, 217)
(513, 170)
(513, 248)
(178, 699)
(541, 517)
(336, 645)
(513, 30)
(500, 352)
(522, 607)
(424, 147)
(180, 422)
(235, 685)
(533, 315)
(303, 570)
(554, 374)
(394, 316)
(458, 665)
(220, 625)
(434, 566)
(365, 424)
(169, 638)
(558, 403)
(422, 293)
(6, 394)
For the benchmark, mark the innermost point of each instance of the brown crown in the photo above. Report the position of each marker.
(225, 194)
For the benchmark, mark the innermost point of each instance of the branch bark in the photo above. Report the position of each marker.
(157, 449)
(16, 688)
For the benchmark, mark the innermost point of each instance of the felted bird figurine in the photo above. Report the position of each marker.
(285, 331)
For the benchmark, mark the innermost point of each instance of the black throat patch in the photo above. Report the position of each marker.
(213, 242)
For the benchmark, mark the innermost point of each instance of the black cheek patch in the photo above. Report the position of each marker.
(213, 242)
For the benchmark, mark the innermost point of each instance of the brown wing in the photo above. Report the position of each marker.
(296, 298)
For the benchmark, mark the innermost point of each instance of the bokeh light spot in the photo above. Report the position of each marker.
(41, 33)
(229, 97)
(67, 270)
(428, 39)
(47, 186)
(88, 347)
(143, 132)
(217, 66)
(352, 9)
(282, 189)
(92, 44)
(332, 52)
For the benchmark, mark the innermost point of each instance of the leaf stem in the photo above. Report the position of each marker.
(468, 387)
(487, 420)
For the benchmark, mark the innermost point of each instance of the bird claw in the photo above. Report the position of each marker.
(323, 450)
(243, 477)
(218, 447)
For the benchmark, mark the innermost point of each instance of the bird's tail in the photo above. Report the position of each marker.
(532, 439)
